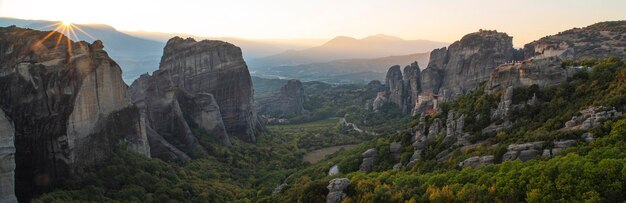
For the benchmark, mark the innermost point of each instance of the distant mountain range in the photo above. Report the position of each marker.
(344, 70)
(349, 48)
(340, 60)
(252, 49)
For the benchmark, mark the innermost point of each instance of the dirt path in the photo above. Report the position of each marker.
(317, 155)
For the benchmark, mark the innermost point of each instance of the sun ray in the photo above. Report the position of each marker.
(58, 24)
(78, 40)
(59, 40)
(82, 31)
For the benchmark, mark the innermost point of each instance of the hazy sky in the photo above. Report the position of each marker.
(439, 20)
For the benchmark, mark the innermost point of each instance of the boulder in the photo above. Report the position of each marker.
(525, 146)
(476, 161)
(333, 170)
(509, 156)
(369, 158)
(335, 190)
(395, 150)
(528, 154)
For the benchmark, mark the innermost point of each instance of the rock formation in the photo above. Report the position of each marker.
(395, 150)
(7, 160)
(369, 158)
(476, 161)
(505, 105)
(599, 40)
(591, 117)
(542, 72)
(466, 63)
(216, 68)
(68, 104)
(335, 190)
(172, 113)
(401, 89)
(199, 86)
(375, 86)
(288, 102)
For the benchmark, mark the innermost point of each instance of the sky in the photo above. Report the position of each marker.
(438, 20)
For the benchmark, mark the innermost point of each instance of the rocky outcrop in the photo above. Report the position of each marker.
(379, 101)
(216, 68)
(395, 150)
(7, 160)
(544, 72)
(375, 86)
(423, 140)
(335, 190)
(591, 117)
(172, 113)
(369, 158)
(412, 83)
(466, 63)
(395, 91)
(476, 161)
(69, 106)
(288, 102)
(599, 40)
(523, 152)
(504, 106)
(401, 89)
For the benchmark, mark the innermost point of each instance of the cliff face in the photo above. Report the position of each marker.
(288, 102)
(401, 88)
(598, 41)
(468, 62)
(217, 68)
(200, 85)
(542, 72)
(7, 160)
(68, 103)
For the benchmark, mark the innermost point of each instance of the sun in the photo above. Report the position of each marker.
(66, 23)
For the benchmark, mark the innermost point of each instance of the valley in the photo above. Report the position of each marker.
(158, 117)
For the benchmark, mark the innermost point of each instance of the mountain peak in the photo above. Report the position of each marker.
(383, 37)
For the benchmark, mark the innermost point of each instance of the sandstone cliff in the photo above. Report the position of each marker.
(401, 88)
(217, 68)
(199, 86)
(69, 106)
(288, 102)
(466, 63)
(543, 72)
